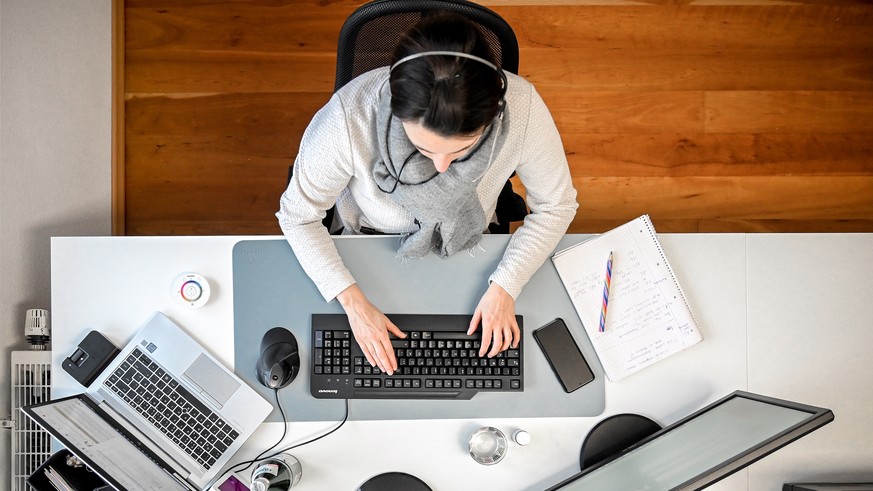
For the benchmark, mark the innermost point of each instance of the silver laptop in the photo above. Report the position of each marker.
(165, 414)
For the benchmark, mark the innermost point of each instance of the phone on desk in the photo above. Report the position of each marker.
(563, 355)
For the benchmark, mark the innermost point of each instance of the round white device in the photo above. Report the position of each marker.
(191, 290)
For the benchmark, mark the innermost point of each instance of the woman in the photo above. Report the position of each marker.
(422, 149)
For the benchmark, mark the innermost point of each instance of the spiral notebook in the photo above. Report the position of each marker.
(647, 317)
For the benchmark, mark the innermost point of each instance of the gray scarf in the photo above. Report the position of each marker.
(446, 206)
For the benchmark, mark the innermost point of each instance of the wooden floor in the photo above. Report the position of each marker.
(709, 116)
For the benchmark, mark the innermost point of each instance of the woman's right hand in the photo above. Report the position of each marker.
(370, 327)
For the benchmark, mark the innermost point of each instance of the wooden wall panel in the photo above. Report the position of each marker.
(696, 68)
(719, 154)
(710, 116)
(789, 111)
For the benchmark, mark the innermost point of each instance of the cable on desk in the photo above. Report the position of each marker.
(248, 463)
(319, 437)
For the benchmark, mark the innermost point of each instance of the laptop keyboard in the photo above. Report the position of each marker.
(171, 408)
(437, 360)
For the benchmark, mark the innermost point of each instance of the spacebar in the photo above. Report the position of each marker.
(455, 335)
(412, 394)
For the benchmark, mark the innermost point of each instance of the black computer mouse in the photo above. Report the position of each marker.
(279, 362)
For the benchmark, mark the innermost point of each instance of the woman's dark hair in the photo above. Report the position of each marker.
(448, 95)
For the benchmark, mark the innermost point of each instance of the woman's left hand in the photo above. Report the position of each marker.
(496, 312)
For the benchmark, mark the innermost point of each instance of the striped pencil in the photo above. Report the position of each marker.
(606, 283)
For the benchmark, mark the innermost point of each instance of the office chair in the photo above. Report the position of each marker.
(370, 34)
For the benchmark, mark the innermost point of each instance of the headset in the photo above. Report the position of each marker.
(461, 54)
(500, 105)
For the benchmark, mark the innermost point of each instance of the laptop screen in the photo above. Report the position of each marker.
(704, 447)
(106, 448)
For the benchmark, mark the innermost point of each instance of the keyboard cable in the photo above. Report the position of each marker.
(241, 466)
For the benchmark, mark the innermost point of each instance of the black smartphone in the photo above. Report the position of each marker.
(92, 355)
(563, 355)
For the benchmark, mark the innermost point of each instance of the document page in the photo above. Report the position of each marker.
(91, 437)
(646, 317)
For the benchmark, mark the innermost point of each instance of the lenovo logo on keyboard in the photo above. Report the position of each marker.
(437, 360)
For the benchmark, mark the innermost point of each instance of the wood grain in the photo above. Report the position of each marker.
(583, 69)
(709, 115)
(718, 154)
(119, 177)
(795, 112)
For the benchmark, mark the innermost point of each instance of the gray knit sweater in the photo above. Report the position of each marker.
(335, 165)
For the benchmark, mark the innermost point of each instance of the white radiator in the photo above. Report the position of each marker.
(31, 383)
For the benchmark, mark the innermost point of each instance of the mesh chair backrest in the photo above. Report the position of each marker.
(369, 36)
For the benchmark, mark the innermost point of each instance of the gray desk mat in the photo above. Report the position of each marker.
(270, 289)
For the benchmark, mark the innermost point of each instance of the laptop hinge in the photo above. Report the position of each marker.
(183, 482)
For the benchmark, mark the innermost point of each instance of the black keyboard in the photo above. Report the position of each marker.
(171, 408)
(436, 360)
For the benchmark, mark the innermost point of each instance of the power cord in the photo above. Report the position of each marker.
(319, 437)
(263, 455)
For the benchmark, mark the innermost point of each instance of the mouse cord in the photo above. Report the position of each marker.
(248, 463)
(319, 437)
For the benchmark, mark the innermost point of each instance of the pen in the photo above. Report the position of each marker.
(606, 282)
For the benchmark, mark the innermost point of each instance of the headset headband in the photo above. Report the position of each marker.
(444, 53)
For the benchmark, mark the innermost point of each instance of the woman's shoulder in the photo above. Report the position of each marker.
(364, 89)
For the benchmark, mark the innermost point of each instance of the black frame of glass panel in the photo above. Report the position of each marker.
(818, 417)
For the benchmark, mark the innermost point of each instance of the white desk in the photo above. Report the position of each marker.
(783, 315)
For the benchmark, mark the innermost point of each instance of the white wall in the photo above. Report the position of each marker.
(55, 152)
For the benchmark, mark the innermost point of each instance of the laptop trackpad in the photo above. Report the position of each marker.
(210, 377)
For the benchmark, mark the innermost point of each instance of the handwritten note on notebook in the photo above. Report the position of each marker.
(648, 317)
